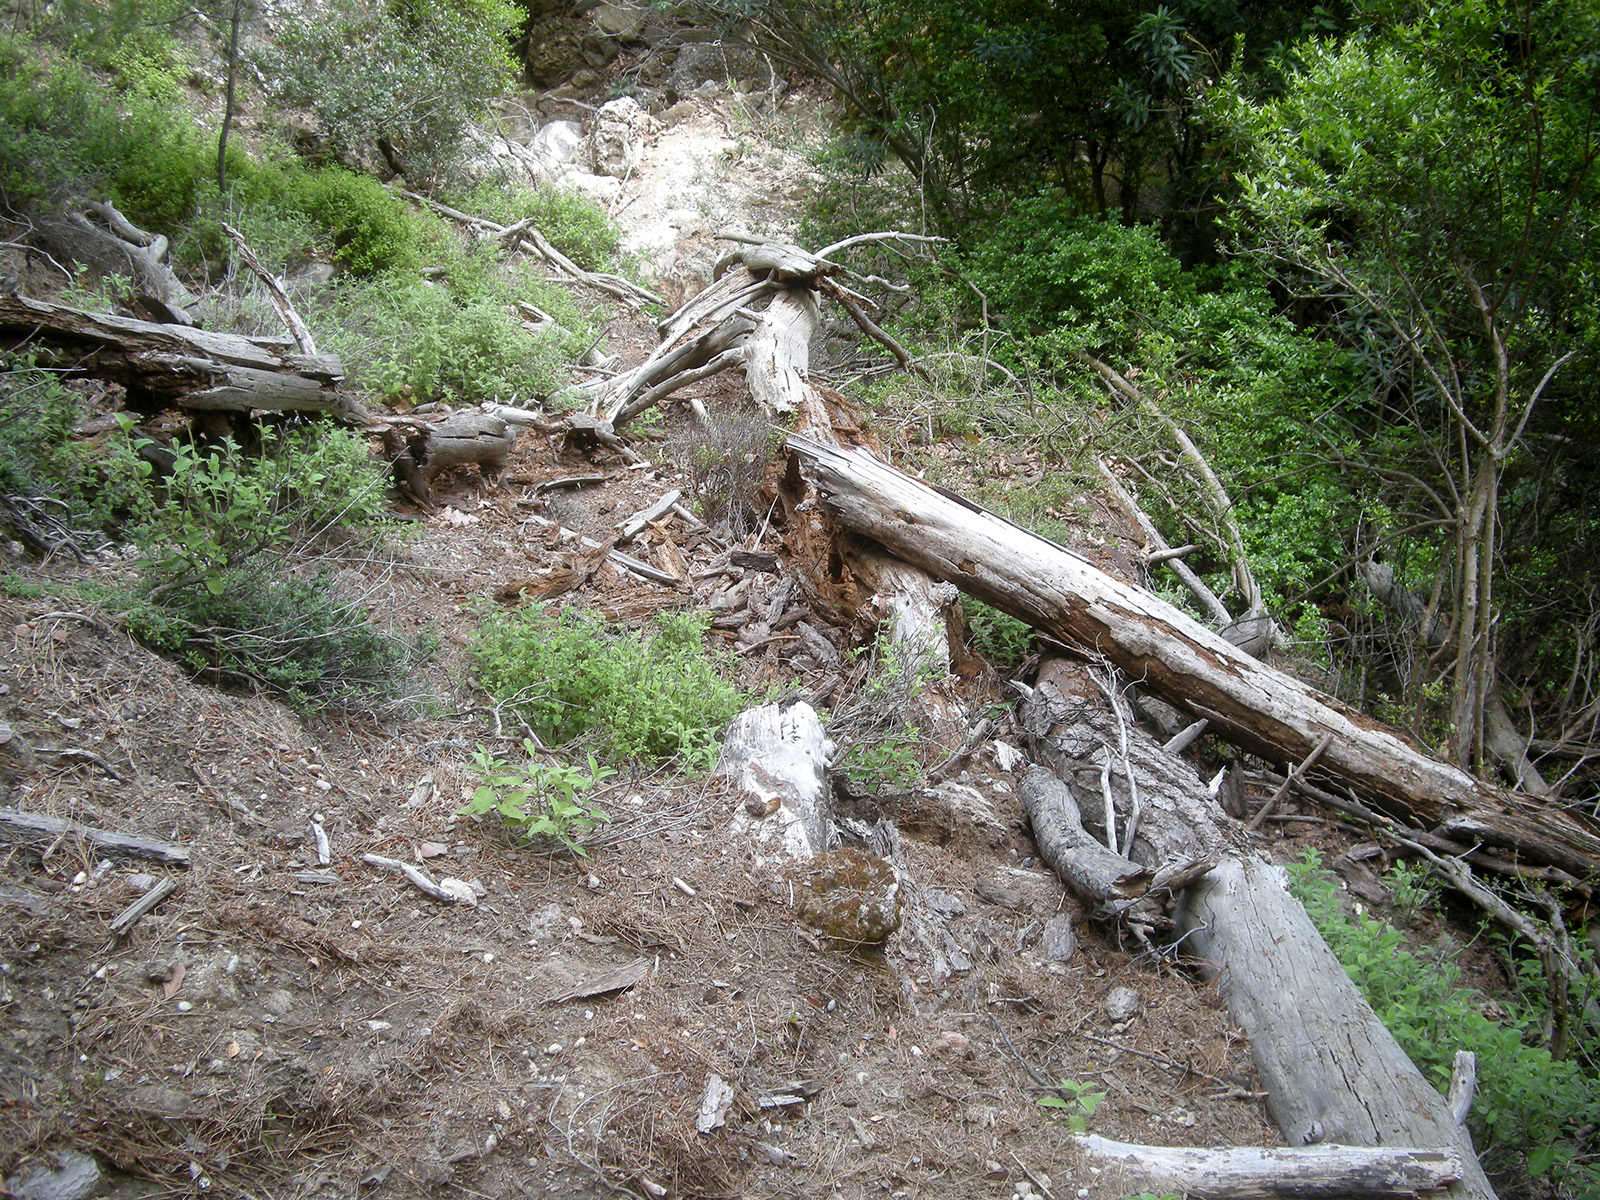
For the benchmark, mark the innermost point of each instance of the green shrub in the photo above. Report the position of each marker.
(656, 696)
(1525, 1098)
(402, 336)
(412, 74)
(575, 224)
(262, 628)
(540, 802)
(216, 508)
(38, 457)
(371, 231)
(998, 636)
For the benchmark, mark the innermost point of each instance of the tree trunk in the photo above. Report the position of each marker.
(174, 365)
(1265, 710)
(1333, 1073)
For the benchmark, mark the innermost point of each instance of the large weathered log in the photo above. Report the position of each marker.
(174, 365)
(1266, 710)
(1249, 1173)
(1333, 1073)
(1315, 1040)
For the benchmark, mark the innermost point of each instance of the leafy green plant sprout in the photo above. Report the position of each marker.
(539, 802)
(1074, 1101)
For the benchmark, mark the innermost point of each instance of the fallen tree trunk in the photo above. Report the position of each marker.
(174, 365)
(1248, 1173)
(1333, 1073)
(1265, 710)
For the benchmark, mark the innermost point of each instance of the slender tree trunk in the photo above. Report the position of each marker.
(227, 108)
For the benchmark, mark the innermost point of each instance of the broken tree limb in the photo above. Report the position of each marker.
(129, 917)
(1248, 1173)
(174, 365)
(16, 825)
(419, 880)
(117, 247)
(280, 298)
(1083, 862)
(1333, 1073)
(1294, 777)
(1255, 630)
(1221, 618)
(1265, 710)
(525, 235)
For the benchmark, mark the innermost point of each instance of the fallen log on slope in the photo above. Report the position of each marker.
(174, 365)
(1332, 1071)
(1263, 709)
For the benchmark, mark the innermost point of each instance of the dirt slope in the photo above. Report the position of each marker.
(279, 1027)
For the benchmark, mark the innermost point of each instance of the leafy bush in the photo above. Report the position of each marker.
(575, 224)
(998, 636)
(538, 801)
(62, 131)
(304, 639)
(409, 76)
(215, 508)
(403, 337)
(1525, 1098)
(38, 456)
(656, 696)
(371, 230)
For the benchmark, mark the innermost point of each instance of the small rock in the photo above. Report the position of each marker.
(1122, 1004)
(946, 904)
(997, 893)
(75, 1177)
(158, 972)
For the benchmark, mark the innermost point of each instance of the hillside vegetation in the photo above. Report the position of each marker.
(1312, 285)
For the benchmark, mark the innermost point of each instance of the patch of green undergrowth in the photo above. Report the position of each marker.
(876, 744)
(1075, 1101)
(574, 224)
(1527, 1101)
(998, 636)
(307, 640)
(657, 695)
(539, 802)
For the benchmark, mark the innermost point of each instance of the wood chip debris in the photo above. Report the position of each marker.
(447, 891)
(625, 976)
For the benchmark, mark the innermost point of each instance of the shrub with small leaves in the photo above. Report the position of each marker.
(657, 696)
(538, 801)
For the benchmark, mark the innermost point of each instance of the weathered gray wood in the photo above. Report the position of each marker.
(1249, 702)
(128, 917)
(1084, 863)
(469, 437)
(1249, 1173)
(1333, 1073)
(16, 826)
(174, 364)
(776, 756)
